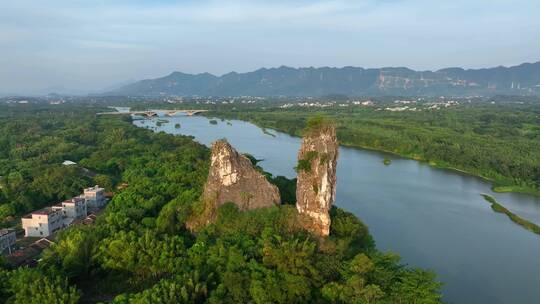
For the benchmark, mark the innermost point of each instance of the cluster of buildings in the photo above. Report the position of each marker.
(442, 104)
(421, 106)
(230, 101)
(365, 103)
(330, 103)
(404, 101)
(400, 105)
(400, 109)
(46, 221)
(316, 104)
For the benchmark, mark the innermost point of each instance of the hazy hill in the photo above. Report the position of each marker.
(523, 79)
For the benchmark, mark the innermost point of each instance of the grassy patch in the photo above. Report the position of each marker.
(518, 189)
(324, 158)
(304, 164)
(317, 123)
(514, 217)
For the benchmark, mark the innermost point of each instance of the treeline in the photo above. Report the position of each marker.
(499, 142)
(139, 250)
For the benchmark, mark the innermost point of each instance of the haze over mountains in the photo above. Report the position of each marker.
(523, 79)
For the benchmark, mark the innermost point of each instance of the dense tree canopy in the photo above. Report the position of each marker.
(139, 250)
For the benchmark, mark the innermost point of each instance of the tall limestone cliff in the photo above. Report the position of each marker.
(316, 185)
(232, 178)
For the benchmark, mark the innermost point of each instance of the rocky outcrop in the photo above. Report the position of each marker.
(316, 185)
(232, 178)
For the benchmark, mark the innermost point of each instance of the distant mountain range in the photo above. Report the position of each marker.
(523, 79)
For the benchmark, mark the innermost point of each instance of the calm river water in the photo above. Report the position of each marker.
(433, 218)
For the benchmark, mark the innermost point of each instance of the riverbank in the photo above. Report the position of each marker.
(500, 185)
(514, 217)
(426, 215)
(516, 189)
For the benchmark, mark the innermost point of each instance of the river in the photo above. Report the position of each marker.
(433, 218)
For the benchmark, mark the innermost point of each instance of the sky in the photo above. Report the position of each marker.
(90, 46)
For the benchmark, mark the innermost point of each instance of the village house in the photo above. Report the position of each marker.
(72, 209)
(7, 239)
(95, 197)
(43, 222)
(75, 208)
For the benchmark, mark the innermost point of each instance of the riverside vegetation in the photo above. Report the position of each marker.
(512, 216)
(499, 142)
(139, 250)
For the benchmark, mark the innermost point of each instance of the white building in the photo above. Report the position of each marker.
(7, 239)
(47, 221)
(42, 223)
(69, 163)
(72, 209)
(75, 208)
(95, 197)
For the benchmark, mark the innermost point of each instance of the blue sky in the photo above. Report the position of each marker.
(90, 45)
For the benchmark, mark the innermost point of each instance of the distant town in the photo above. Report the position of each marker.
(388, 103)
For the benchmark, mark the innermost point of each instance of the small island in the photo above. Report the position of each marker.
(497, 207)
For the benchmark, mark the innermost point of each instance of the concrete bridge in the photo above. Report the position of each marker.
(154, 113)
(188, 112)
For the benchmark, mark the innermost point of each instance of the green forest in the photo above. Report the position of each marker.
(139, 250)
(500, 142)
